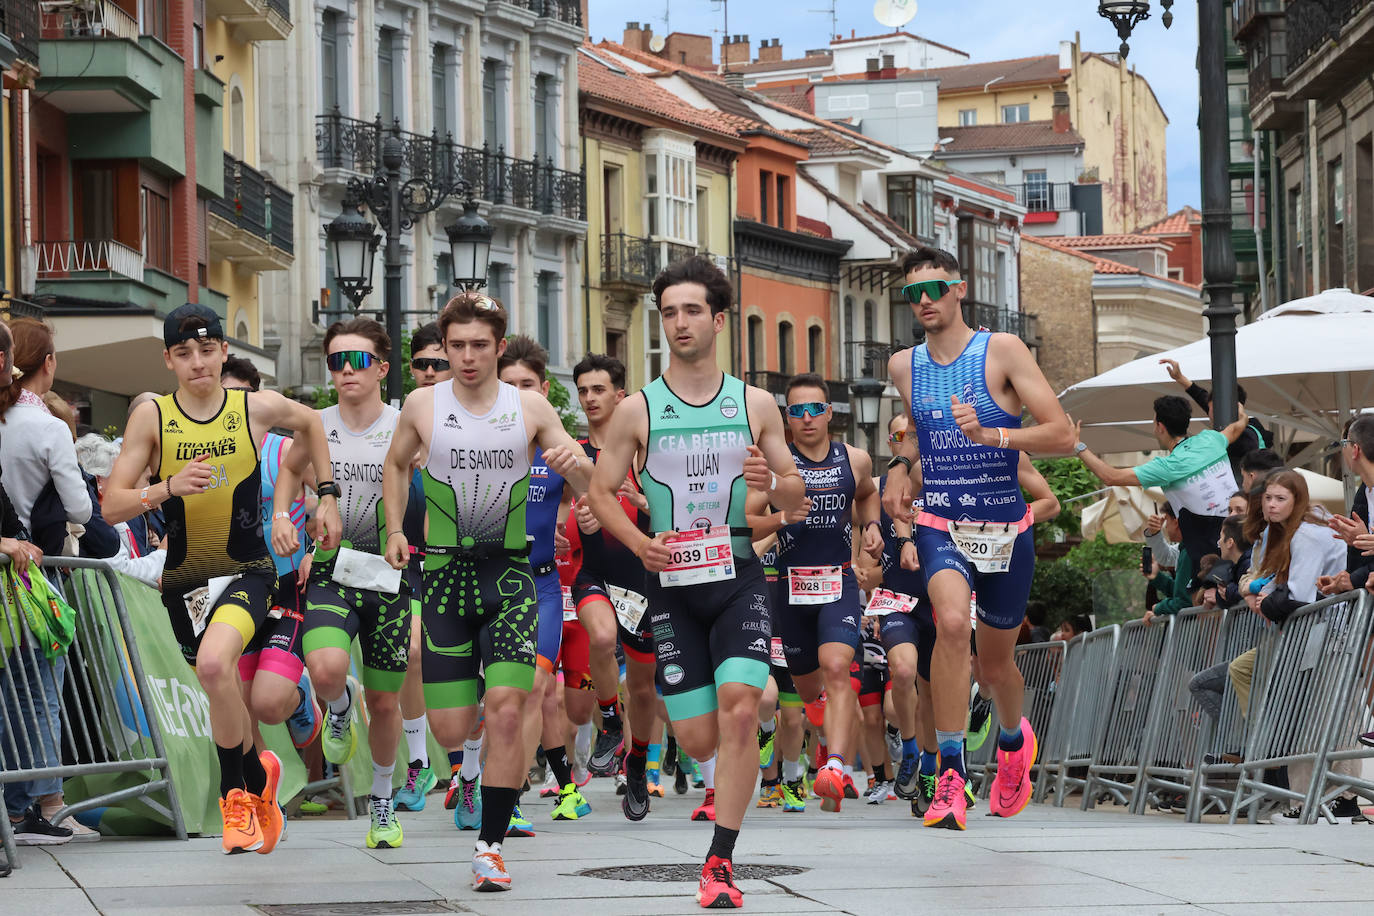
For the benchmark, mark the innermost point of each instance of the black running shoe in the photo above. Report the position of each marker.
(669, 760)
(635, 804)
(605, 759)
(908, 782)
(680, 782)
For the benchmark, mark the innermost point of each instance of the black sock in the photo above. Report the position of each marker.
(880, 772)
(230, 769)
(635, 764)
(254, 776)
(498, 804)
(610, 716)
(558, 763)
(723, 843)
(772, 782)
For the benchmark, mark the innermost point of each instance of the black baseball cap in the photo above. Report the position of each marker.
(171, 325)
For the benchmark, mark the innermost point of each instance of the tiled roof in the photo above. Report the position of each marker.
(1179, 223)
(1041, 69)
(602, 79)
(814, 227)
(797, 97)
(997, 137)
(1105, 266)
(1064, 249)
(1106, 241)
(891, 226)
(824, 142)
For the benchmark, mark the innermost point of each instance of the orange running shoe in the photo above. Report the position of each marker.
(242, 832)
(270, 814)
(830, 788)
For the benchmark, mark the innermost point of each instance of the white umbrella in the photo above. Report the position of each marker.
(1307, 366)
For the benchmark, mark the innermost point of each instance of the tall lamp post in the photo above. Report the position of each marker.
(1218, 256)
(398, 203)
(866, 394)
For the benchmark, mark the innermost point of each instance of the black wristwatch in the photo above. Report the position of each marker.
(327, 488)
(902, 542)
(902, 460)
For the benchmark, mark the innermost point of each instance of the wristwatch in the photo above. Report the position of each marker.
(327, 488)
(1079, 448)
(902, 460)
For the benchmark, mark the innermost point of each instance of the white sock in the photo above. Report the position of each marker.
(472, 758)
(768, 727)
(487, 847)
(415, 740)
(343, 703)
(583, 744)
(791, 770)
(381, 779)
(708, 771)
(833, 763)
(848, 770)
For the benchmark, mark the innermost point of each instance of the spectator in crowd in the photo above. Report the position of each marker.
(1072, 626)
(96, 538)
(1176, 586)
(1035, 613)
(1293, 550)
(1256, 465)
(1204, 570)
(1356, 529)
(36, 449)
(1238, 504)
(1221, 588)
(26, 674)
(1253, 437)
(97, 456)
(1196, 475)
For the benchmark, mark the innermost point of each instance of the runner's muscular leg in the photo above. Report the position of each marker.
(901, 666)
(505, 763)
(328, 671)
(451, 727)
(949, 662)
(643, 705)
(841, 708)
(925, 717)
(997, 672)
(384, 725)
(217, 669)
(598, 617)
(272, 697)
(413, 688)
(532, 725)
(737, 759)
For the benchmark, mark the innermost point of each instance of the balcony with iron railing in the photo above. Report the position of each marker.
(1246, 14)
(1004, 320)
(1047, 197)
(1329, 42)
(254, 20)
(566, 11)
(21, 24)
(68, 258)
(354, 145)
(252, 224)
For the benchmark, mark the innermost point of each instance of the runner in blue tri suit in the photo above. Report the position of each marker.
(816, 597)
(525, 365)
(965, 392)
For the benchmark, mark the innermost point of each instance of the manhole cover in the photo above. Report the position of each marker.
(684, 872)
(368, 908)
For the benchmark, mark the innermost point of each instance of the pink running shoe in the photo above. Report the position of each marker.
(1011, 789)
(949, 808)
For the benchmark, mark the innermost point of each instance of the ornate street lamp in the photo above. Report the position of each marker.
(866, 394)
(1127, 14)
(1218, 255)
(353, 242)
(469, 242)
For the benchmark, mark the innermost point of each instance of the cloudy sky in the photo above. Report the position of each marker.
(986, 29)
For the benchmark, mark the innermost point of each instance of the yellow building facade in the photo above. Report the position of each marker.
(1111, 106)
(660, 186)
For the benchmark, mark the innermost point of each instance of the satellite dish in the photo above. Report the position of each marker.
(656, 44)
(894, 13)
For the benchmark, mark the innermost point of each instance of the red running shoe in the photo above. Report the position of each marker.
(716, 890)
(707, 811)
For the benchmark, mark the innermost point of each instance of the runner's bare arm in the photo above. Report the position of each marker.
(270, 408)
(624, 437)
(897, 495)
(867, 507)
(788, 490)
(1111, 476)
(561, 451)
(397, 471)
(1044, 504)
(1052, 433)
(121, 500)
(290, 475)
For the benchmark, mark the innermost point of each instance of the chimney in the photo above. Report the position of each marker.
(1061, 112)
(874, 71)
(889, 68)
(734, 79)
(734, 50)
(1066, 55)
(770, 50)
(635, 39)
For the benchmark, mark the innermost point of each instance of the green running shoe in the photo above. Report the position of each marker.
(419, 781)
(385, 832)
(793, 796)
(766, 743)
(925, 795)
(571, 805)
(979, 724)
(519, 824)
(339, 739)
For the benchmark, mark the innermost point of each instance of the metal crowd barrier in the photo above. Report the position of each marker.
(1089, 703)
(1313, 661)
(1120, 738)
(1353, 716)
(85, 736)
(1041, 666)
